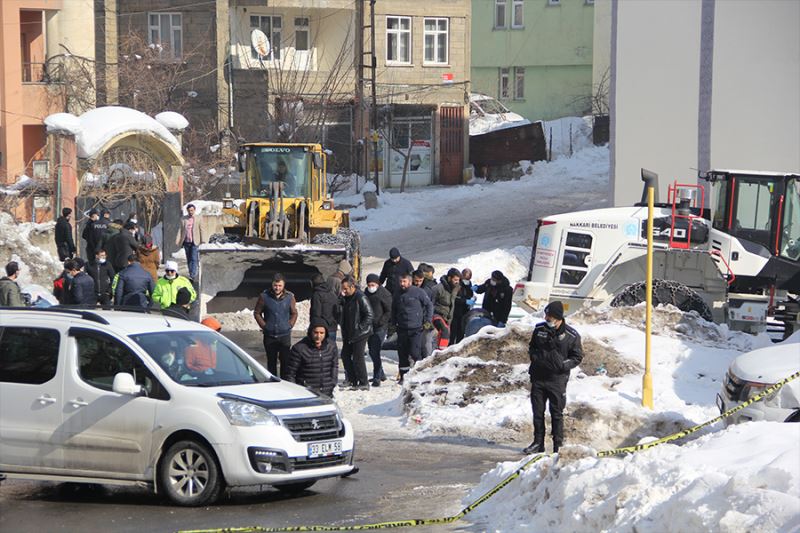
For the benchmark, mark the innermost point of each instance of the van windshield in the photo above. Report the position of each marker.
(200, 358)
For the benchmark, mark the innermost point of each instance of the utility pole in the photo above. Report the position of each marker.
(374, 94)
(359, 88)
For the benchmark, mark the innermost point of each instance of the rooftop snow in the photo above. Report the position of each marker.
(95, 128)
(172, 120)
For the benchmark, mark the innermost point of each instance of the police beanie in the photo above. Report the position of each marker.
(373, 278)
(555, 310)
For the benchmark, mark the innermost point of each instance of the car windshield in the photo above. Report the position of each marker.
(200, 358)
(271, 164)
(492, 107)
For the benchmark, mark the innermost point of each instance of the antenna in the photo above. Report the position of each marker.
(260, 44)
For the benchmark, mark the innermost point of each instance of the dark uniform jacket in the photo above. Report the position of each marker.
(381, 302)
(554, 352)
(356, 318)
(391, 271)
(411, 308)
(314, 368)
(93, 235)
(122, 245)
(325, 305)
(497, 299)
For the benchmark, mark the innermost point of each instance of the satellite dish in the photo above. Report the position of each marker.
(260, 43)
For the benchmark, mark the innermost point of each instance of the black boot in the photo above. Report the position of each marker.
(556, 445)
(534, 447)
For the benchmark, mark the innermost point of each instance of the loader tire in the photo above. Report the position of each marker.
(664, 292)
(225, 238)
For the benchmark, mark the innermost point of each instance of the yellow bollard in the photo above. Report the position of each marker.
(647, 379)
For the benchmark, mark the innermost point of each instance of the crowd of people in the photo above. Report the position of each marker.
(123, 264)
(401, 300)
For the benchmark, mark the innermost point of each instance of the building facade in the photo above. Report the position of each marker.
(35, 38)
(535, 56)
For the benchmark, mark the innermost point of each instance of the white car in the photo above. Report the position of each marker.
(486, 114)
(128, 398)
(752, 372)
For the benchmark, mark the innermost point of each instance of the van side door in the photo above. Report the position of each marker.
(107, 434)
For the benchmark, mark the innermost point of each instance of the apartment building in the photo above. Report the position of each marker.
(35, 35)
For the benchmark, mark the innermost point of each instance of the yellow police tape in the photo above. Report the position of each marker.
(450, 519)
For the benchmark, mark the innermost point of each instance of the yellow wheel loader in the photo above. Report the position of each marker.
(286, 223)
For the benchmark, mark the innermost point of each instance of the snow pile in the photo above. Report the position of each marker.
(26, 244)
(513, 263)
(480, 387)
(95, 128)
(243, 320)
(425, 206)
(172, 120)
(205, 207)
(743, 478)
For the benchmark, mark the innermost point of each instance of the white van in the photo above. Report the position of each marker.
(126, 398)
(752, 372)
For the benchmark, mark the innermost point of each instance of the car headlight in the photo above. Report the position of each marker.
(247, 414)
(752, 388)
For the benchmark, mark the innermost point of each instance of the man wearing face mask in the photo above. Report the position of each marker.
(166, 291)
(497, 297)
(102, 273)
(381, 301)
(555, 349)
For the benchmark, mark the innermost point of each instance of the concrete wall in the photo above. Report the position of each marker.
(702, 85)
(554, 46)
(601, 45)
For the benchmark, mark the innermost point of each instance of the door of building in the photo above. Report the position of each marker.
(451, 145)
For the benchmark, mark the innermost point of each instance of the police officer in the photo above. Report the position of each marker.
(555, 349)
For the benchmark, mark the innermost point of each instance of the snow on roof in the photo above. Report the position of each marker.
(95, 128)
(63, 123)
(172, 120)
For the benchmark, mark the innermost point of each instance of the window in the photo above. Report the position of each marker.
(576, 259)
(28, 355)
(301, 40)
(500, 14)
(554, 2)
(403, 133)
(100, 358)
(517, 15)
(436, 40)
(398, 39)
(504, 89)
(166, 30)
(790, 230)
(755, 204)
(519, 83)
(271, 26)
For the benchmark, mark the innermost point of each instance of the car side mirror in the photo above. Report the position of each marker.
(241, 160)
(124, 384)
(318, 161)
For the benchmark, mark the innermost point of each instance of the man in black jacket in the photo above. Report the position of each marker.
(411, 308)
(101, 271)
(314, 361)
(393, 268)
(356, 329)
(325, 305)
(497, 299)
(81, 291)
(381, 302)
(123, 244)
(65, 244)
(464, 301)
(555, 349)
(135, 285)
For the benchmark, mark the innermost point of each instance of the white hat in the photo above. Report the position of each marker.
(171, 265)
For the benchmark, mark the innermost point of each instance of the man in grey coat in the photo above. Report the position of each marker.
(10, 294)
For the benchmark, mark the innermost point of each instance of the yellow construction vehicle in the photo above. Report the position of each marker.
(286, 222)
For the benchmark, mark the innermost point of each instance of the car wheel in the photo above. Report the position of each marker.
(295, 488)
(189, 474)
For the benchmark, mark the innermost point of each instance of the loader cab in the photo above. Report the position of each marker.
(296, 166)
(758, 208)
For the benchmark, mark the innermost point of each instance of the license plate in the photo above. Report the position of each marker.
(324, 449)
(720, 404)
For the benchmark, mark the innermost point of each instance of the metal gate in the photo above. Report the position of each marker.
(451, 145)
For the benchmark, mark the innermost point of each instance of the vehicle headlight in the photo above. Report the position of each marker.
(247, 414)
(753, 389)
